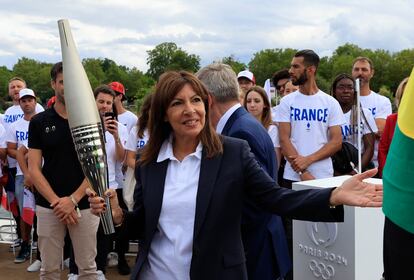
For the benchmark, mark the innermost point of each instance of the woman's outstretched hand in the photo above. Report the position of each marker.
(355, 192)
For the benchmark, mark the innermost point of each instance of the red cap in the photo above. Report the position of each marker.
(117, 87)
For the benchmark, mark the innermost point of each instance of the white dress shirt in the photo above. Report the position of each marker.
(223, 120)
(171, 249)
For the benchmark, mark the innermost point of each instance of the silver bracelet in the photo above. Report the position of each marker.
(76, 206)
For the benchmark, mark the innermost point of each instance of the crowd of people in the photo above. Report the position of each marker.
(203, 203)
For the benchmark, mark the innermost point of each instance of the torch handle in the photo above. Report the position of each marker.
(106, 218)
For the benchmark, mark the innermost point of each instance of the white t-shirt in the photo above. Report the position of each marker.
(274, 112)
(111, 154)
(349, 130)
(18, 133)
(128, 119)
(134, 142)
(12, 114)
(273, 132)
(310, 117)
(15, 112)
(380, 107)
(2, 144)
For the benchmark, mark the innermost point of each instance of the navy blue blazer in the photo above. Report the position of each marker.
(225, 180)
(263, 234)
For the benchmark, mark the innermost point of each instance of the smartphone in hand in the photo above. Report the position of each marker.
(109, 114)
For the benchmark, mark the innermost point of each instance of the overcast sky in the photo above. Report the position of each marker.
(123, 30)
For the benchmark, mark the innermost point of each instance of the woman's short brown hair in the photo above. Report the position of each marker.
(169, 84)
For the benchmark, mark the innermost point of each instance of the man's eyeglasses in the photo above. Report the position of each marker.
(278, 87)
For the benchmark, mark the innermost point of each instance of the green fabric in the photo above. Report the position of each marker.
(398, 180)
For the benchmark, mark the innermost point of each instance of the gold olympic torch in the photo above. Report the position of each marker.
(84, 121)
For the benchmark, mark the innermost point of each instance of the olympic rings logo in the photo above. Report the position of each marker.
(321, 270)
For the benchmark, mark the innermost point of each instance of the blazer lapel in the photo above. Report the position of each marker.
(152, 179)
(208, 173)
(154, 192)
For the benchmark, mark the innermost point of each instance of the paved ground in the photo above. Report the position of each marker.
(11, 271)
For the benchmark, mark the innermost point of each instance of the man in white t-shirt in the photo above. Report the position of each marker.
(15, 112)
(380, 106)
(17, 136)
(11, 115)
(116, 136)
(125, 117)
(309, 128)
(309, 123)
(116, 133)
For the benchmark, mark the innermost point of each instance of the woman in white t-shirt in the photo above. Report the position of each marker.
(257, 103)
(138, 138)
(138, 135)
(343, 90)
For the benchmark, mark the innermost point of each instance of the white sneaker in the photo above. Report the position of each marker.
(112, 259)
(35, 266)
(100, 275)
(72, 276)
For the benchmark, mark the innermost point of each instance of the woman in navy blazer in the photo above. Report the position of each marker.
(228, 171)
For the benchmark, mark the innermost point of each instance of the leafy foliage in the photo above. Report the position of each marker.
(390, 69)
(268, 61)
(236, 65)
(167, 56)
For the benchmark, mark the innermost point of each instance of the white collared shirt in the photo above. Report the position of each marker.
(171, 249)
(223, 120)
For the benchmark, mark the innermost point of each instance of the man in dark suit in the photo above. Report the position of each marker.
(263, 234)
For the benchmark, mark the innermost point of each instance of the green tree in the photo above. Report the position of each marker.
(167, 56)
(36, 74)
(94, 71)
(381, 60)
(323, 74)
(400, 67)
(5, 76)
(138, 85)
(114, 72)
(347, 50)
(264, 63)
(236, 65)
(340, 62)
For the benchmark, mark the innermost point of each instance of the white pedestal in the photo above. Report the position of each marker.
(339, 251)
